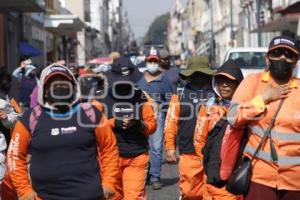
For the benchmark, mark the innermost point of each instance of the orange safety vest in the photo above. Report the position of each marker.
(207, 118)
(8, 191)
(249, 109)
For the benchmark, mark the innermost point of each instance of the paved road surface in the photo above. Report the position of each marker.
(170, 189)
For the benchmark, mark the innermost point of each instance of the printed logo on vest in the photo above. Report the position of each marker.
(63, 131)
(68, 130)
(55, 131)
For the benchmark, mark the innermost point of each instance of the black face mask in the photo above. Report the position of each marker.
(61, 97)
(281, 70)
(200, 79)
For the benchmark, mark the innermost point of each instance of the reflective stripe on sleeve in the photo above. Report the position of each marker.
(294, 136)
(232, 113)
(266, 156)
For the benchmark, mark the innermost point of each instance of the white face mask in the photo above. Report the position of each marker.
(152, 68)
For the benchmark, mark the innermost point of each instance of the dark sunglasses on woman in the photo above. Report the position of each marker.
(276, 53)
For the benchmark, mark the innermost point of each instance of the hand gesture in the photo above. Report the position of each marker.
(128, 122)
(29, 196)
(171, 156)
(271, 93)
(108, 193)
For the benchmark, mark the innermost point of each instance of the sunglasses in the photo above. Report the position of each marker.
(276, 53)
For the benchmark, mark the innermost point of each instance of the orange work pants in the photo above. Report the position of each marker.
(213, 193)
(191, 177)
(131, 184)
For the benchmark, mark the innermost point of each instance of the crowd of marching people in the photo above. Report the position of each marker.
(102, 132)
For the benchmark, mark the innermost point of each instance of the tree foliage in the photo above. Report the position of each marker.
(157, 30)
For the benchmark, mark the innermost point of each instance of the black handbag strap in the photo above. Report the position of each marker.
(268, 131)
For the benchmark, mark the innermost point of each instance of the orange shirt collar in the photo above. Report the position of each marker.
(266, 77)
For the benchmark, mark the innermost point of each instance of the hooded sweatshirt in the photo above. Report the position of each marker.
(216, 106)
(27, 83)
(64, 151)
(131, 142)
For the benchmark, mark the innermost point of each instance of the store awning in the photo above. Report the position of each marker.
(288, 22)
(22, 5)
(28, 50)
(100, 60)
(293, 8)
(63, 24)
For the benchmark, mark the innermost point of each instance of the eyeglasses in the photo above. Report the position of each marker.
(276, 53)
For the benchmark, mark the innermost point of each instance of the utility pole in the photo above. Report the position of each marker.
(212, 42)
(231, 24)
(258, 8)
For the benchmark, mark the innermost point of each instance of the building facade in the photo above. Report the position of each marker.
(99, 12)
(212, 27)
(115, 25)
(18, 26)
(175, 29)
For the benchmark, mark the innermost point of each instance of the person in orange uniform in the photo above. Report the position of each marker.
(131, 115)
(225, 82)
(273, 178)
(181, 122)
(69, 160)
(9, 114)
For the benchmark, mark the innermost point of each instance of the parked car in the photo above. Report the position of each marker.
(251, 60)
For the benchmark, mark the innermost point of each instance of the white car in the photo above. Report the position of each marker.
(251, 60)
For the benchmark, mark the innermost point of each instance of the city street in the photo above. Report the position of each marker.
(170, 189)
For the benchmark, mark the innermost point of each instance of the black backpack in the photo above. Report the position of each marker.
(212, 153)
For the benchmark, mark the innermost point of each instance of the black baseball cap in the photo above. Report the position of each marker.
(123, 69)
(284, 42)
(231, 70)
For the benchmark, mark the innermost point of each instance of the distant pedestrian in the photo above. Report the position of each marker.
(26, 76)
(171, 71)
(156, 84)
(114, 55)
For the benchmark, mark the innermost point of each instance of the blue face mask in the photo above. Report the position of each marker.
(152, 68)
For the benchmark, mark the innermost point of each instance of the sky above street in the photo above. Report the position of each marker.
(141, 13)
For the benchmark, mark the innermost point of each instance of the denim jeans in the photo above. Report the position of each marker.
(156, 148)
